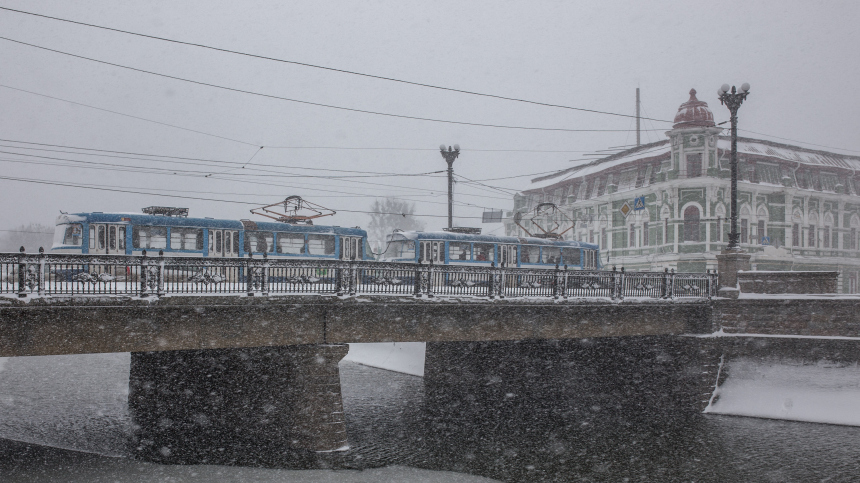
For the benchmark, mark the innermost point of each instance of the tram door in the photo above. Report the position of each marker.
(223, 243)
(508, 255)
(351, 248)
(105, 239)
(432, 251)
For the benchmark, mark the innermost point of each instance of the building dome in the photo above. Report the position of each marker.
(694, 113)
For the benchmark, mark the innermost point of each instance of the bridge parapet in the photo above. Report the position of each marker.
(142, 276)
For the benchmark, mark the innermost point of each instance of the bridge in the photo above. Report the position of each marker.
(227, 346)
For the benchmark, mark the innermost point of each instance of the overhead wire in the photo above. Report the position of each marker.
(301, 101)
(102, 188)
(128, 115)
(333, 69)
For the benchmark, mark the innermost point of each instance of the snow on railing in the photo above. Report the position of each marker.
(143, 276)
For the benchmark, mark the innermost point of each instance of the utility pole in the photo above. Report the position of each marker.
(450, 155)
(637, 117)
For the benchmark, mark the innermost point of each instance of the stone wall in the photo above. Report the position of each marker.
(788, 282)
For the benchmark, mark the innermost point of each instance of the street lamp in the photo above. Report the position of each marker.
(733, 101)
(450, 155)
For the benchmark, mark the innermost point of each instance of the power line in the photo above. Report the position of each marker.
(800, 142)
(128, 115)
(311, 103)
(116, 190)
(333, 69)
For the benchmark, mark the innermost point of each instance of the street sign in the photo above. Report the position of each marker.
(765, 240)
(492, 217)
(639, 203)
(625, 209)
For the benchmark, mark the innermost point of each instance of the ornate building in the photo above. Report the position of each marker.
(799, 209)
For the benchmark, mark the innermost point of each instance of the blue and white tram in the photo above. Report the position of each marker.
(131, 233)
(466, 249)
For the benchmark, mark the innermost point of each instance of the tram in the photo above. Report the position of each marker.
(481, 250)
(171, 231)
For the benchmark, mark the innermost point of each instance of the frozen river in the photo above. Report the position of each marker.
(65, 419)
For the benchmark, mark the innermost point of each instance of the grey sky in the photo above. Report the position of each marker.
(799, 57)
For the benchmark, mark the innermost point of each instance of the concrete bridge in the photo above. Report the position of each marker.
(214, 369)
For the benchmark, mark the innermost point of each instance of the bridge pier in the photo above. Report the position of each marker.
(250, 406)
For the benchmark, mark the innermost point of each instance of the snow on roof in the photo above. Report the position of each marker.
(652, 150)
(746, 146)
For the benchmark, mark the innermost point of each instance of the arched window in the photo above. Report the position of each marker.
(691, 224)
(852, 235)
(745, 224)
(828, 227)
(665, 214)
(761, 227)
(796, 220)
(720, 212)
(813, 230)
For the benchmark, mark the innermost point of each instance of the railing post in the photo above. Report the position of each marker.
(22, 269)
(501, 284)
(144, 269)
(672, 284)
(491, 281)
(564, 283)
(338, 279)
(417, 280)
(555, 285)
(160, 274)
(40, 280)
(353, 285)
(665, 293)
(621, 284)
(264, 278)
(249, 275)
(612, 290)
(430, 293)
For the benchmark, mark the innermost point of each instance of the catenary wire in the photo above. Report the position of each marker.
(101, 188)
(333, 69)
(311, 103)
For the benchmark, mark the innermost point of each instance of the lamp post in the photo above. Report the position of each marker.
(450, 155)
(733, 101)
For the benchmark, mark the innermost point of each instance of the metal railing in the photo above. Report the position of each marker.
(143, 276)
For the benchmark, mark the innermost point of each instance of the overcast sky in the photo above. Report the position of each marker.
(799, 57)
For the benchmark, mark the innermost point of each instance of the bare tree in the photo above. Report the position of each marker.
(31, 237)
(390, 214)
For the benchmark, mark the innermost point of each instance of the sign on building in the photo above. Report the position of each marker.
(639, 203)
(625, 209)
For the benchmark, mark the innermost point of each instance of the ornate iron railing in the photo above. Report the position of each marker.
(143, 276)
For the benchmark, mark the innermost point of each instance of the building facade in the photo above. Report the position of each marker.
(666, 204)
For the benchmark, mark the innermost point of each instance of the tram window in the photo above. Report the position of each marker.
(459, 251)
(149, 237)
(92, 237)
(258, 241)
(227, 243)
(551, 255)
(571, 256)
(291, 243)
(401, 249)
(530, 254)
(112, 237)
(101, 237)
(121, 237)
(320, 244)
(235, 242)
(484, 252)
(71, 235)
(186, 238)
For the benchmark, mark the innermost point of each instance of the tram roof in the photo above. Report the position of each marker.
(463, 237)
(142, 219)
